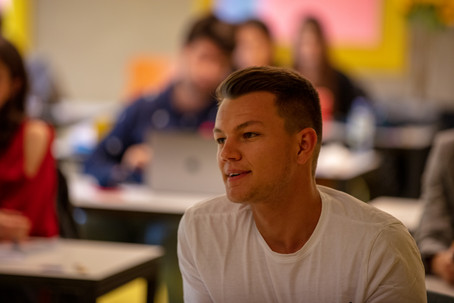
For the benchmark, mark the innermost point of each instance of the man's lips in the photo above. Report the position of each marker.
(232, 175)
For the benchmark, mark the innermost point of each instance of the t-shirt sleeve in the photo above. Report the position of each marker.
(194, 289)
(395, 272)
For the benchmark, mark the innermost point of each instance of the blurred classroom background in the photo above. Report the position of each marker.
(99, 55)
(400, 50)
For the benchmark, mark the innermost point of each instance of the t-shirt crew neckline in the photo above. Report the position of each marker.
(307, 247)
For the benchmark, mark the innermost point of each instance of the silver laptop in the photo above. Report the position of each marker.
(183, 162)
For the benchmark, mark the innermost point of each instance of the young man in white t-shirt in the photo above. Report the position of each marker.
(276, 236)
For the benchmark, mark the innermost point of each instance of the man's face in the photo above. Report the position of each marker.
(206, 64)
(256, 155)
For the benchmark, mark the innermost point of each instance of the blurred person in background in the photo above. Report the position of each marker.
(44, 90)
(28, 174)
(254, 44)
(435, 234)
(28, 178)
(311, 59)
(186, 104)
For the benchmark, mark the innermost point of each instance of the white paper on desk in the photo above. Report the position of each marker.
(10, 251)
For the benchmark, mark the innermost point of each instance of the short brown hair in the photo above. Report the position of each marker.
(297, 100)
(218, 32)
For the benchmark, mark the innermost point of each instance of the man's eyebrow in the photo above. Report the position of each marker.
(240, 127)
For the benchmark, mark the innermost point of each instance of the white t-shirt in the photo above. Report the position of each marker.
(356, 253)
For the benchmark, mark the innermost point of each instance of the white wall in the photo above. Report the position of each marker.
(89, 42)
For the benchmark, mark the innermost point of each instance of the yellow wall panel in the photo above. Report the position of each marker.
(390, 55)
(16, 23)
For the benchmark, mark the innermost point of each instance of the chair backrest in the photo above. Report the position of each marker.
(66, 223)
(434, 297)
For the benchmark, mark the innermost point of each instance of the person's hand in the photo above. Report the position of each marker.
(443, 265)
(136, 157)
(13, 226)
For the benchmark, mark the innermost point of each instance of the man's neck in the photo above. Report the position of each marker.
(287, 225)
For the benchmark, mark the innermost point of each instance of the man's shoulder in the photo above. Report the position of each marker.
(354, 210)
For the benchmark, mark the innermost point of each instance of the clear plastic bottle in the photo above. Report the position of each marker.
(361, 121)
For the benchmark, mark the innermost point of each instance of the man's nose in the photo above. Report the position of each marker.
(229, 151)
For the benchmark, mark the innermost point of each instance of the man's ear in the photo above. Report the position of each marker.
(307, 141)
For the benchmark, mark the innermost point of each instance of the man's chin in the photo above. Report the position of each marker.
(236, 198)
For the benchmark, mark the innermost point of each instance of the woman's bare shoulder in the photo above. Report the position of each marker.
(37, 137)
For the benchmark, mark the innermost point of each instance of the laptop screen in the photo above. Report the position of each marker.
(183, 161)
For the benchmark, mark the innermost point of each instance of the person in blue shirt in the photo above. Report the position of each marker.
(186, 104)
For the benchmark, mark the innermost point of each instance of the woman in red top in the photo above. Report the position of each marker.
(28, 177)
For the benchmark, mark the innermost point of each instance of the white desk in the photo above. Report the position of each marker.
(408, 211)
(405, 137)
(86, 268)
(84, 193)
(338, 162)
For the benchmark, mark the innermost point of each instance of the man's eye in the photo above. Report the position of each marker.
(220, 140)
(250, 135)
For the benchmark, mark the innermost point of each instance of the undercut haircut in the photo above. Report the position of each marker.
(296, 99)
